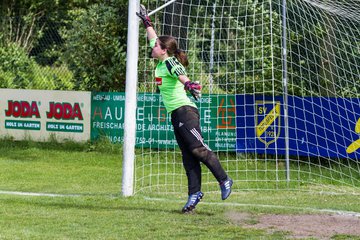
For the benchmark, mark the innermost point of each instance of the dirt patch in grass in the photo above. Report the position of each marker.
(319, 226)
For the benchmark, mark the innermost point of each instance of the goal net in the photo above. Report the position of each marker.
(281, 94)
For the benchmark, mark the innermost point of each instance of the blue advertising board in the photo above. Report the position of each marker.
(318, 126)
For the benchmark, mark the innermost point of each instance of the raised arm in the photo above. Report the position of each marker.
(143, 15)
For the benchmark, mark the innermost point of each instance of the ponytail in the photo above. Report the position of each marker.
(181, 57)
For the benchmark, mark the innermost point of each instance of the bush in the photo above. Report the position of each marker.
(16, 67)
(18, 70)
(95, 49)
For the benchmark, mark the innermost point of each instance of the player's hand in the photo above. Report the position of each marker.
(194, 88)
(143, 15)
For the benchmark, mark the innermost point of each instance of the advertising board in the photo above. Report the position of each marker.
(39, 114)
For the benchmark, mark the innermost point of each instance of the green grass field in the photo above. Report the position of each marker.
(88, 204)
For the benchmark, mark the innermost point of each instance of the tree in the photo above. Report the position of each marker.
(323, 51)
(18, 70)
(95, 47)
(33, 30)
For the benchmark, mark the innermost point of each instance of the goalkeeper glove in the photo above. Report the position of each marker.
(143, 15)
(194, 88)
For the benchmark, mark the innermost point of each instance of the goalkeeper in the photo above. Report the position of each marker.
(171, 79)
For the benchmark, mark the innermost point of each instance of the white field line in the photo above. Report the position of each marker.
(37, 194)
(317, 210)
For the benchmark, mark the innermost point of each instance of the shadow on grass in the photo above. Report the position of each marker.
(100, 203)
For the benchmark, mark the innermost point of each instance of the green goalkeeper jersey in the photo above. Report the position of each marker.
(167, 79)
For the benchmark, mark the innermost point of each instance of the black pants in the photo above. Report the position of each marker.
(186, 122)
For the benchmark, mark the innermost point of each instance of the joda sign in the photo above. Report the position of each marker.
(39, 114)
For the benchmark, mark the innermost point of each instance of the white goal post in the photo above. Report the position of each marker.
(130, 99)
(281, 94)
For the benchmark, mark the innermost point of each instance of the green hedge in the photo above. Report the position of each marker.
(20, 71)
